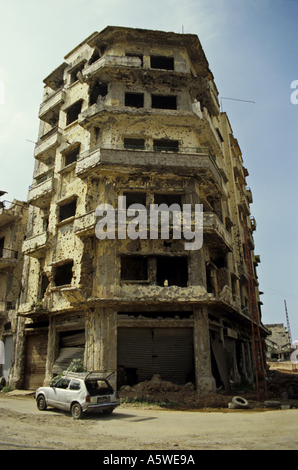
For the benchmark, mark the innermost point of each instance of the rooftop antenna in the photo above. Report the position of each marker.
(233, 99)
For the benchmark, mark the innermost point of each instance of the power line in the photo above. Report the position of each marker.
(233, 99)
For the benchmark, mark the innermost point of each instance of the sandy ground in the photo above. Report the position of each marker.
(135, 428)
(205, 424)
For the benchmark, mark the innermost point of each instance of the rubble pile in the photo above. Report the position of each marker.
(165, 393)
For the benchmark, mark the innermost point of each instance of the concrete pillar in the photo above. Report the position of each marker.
(101, 340)
(205, 382)
(16, 373)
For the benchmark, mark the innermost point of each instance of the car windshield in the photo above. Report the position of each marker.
(98, 387)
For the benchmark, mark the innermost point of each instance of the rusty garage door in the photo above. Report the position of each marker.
(36, 356)
(143, 352)
(72, 346)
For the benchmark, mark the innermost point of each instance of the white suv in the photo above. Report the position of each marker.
(79, 393)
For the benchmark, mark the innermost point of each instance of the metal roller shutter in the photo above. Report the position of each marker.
(164, 351)
(36, 356)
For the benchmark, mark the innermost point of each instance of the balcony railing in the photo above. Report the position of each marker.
(202, 151)
(36, 245)
(8, 254)
(51, 106)
(45, 148)
(40, 192)
(8, 258)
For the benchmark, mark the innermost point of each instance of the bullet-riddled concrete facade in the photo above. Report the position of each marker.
(13, 228)
(135, 113)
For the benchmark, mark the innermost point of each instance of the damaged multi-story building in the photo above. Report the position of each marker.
(135, 113)
(13, 228)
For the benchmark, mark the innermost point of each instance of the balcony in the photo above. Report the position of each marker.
(85, 224)
(11, 214)
(50, 108)
(94, 69)
(253, 223)
(8, 258)
(45, 149)
(39, 194)
(186, 162)
(215, 234)
(37, 245)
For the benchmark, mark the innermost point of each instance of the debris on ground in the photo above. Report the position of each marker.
(164, 393)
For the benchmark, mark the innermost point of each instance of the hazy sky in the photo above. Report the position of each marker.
(252, 49)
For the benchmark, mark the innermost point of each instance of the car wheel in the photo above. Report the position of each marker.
(76, 411)
(41, 403)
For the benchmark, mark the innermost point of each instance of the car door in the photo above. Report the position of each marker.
(58, 394)
(74, 393)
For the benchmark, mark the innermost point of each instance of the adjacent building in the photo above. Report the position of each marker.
(278, 342)
(13, 228)
(135, 113)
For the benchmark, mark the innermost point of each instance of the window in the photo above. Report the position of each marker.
(100, 90)
(134, 100)
(138, 144)
(1, 247)
(62, 383)
(172, 271)
(73, 112)
(168, 199)
(67, 210)
(135, 198)
(43, 285)
(164, 102)
(70, 156)
(161, 62)
(74, 385)
(166, 145)
(95, 56)
(74, 73)
(134, 268)
(63, 274)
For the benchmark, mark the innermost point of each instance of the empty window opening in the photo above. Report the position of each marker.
(95, 56)
(168, 199)
(98, 92)
(131, 54)
(220, 261)
(134, 144)
(135, 198)
(164, 102)
(134, 268)
(1, 247)
(74, 73)
(161, 62)
(164, 145)
(134, 100)
(63, 274)
(172, 271)
(73, 112)
(67, 210)
(44, 285)
(71, 155)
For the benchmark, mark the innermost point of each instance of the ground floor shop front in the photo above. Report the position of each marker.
(200, 345)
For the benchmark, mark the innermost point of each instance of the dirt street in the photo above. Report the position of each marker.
(135, 428)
